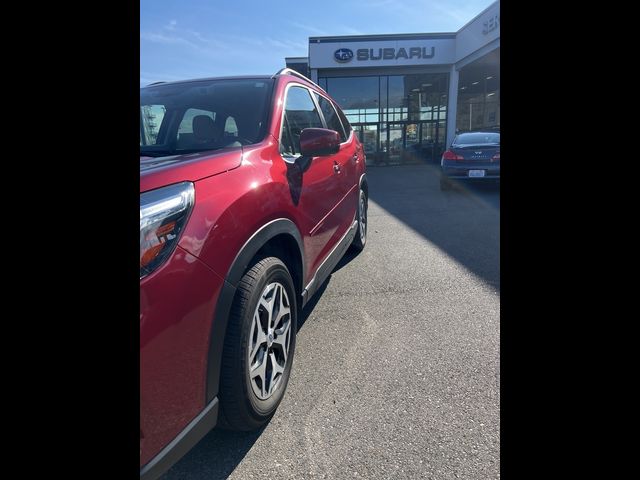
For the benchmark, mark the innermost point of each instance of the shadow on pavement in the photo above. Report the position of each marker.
(313, 301)
(217, 455)
(308, 308)
(346, 259)
(463, 222)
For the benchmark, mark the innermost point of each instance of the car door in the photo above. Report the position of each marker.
(318, 183)
(345, 164)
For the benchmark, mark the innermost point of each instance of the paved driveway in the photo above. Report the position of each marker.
(397, 369)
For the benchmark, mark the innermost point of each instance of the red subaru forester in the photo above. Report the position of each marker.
(251, 190)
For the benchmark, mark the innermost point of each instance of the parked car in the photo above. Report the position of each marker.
(251, 190)
(473, 156)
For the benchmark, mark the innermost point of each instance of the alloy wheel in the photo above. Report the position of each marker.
(269, 340)
(362, 220)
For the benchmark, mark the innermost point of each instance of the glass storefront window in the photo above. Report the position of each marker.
(412, 134)
(396, 145)
(382, 147)
(442, 113)
(492, 114)
(398, 101)
(357, 96)
(384, 97)
(368, 136)
(402, 118)
(479, 94)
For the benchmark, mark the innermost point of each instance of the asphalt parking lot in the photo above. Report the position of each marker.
(397, 366)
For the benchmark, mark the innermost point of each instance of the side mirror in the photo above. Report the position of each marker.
(318, 142)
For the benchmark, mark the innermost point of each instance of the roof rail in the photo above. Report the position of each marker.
(156, 83)
(290, 71)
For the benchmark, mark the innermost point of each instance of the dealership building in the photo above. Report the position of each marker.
(406, 95)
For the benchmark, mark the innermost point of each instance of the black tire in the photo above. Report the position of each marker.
(242, 408)
(360, 239)
(445, 184)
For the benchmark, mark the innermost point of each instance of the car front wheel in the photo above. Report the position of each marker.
(259, 345)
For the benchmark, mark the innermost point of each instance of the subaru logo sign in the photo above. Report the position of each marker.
(343, 55)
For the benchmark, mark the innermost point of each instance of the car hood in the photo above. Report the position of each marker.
(157, 172)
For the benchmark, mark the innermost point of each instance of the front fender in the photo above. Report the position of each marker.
(239, 266)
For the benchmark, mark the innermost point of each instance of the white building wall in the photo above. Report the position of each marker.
(480, 31)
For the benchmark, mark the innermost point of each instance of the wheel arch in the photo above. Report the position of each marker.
(364, 185)
(279, 237)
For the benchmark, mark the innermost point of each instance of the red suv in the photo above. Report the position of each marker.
(251, 190)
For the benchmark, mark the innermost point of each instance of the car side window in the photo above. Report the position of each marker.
(299, 113)
(330, 116)
(345, 122)
(286, 141)
(151, 117)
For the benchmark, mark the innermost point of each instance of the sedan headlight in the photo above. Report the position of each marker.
(163, 214)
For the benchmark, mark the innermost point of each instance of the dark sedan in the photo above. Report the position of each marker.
(472, 156)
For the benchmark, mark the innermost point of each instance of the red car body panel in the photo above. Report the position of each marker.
(191, 167)
(176, 305)
(237, 191)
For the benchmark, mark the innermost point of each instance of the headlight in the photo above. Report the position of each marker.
(163, 214)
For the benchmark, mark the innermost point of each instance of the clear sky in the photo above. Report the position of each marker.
(182, 39)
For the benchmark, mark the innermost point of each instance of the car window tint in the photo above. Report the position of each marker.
(331, 117)
(204, 115)
(300, 112)
(230, 127)
(186, 138)
(286, 142)
(186, 125)
(345, 122)
(151, 117)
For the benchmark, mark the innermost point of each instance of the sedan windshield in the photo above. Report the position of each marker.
(203, 115)
(477, 138)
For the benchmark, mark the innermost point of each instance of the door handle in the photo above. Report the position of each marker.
(336, 167)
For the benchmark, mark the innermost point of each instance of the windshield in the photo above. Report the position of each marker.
(477, 138)
(203, 115)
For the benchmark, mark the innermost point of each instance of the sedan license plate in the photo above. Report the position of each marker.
(476, 173)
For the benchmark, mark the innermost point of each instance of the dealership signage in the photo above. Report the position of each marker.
(491, 24)
(344, 55)
(353, 54)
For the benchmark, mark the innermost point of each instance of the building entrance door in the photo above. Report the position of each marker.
(404, 142)
(411, 142)
(431, 141)
(368, 136)
(395, 143)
